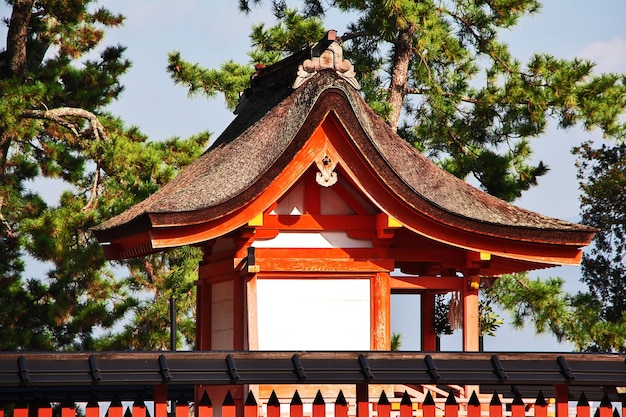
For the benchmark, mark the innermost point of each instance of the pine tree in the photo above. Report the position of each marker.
(53, 124)
(438, 73)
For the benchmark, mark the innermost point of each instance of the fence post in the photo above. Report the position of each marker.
(518, 409)
(93, 408)
(139, 408)
(429, 409)
(182, 407)
(68, 408)
(383, 406)
(204, 408)
(250, 407)
(541, 406)
(20, 409)
(606, 408)
(495, 405)
(229, 409)
(319, 406)
(44, 409)
(452, 407)
(362, 400)
(473, 406)
(406, 406)
(295, 407)
(160, 401)
(582, 407)
(115, 408)
(561, 397)
(341, 405)
(273, 405)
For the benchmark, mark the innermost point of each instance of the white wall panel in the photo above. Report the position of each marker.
(313, 314)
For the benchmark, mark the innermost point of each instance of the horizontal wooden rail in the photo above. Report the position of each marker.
(108, 374)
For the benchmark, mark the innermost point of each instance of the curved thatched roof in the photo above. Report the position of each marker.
(267, 133)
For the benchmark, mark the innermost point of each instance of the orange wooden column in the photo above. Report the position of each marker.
(471, 325)
(428, 334)
(380, 295)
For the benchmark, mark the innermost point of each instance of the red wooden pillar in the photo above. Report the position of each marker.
(471, 326)
(428, 336)
(561, 398)
(203, 315)
(380, 312)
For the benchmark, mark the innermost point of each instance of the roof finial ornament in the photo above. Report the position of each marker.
(327, 54)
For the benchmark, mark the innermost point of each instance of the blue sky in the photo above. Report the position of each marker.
(210, 32)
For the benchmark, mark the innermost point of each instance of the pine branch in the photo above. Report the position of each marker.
(419, 91)
(60, 115)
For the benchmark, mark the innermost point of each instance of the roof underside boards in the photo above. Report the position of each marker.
(225, 186)
(105, 374)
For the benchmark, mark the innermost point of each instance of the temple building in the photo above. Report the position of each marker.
(311, 211)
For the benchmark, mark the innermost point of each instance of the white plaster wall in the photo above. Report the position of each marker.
(313, 314)
(222, 320)
(312, 240)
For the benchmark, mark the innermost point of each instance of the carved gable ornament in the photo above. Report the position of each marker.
(325, 55)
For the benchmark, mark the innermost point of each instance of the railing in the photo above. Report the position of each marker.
(162, 384)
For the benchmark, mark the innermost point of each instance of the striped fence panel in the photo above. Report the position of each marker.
(383, 407)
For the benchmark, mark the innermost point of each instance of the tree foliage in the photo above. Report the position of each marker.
(53, 125)
(602, 171)
(438, 73)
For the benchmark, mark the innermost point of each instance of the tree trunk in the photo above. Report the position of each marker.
(399, 75)
(17, 37)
